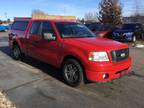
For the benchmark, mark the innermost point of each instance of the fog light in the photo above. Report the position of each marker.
(105, 76)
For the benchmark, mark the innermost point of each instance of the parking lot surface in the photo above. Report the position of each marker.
(33, 84)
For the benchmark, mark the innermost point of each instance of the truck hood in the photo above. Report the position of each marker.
(95, 44)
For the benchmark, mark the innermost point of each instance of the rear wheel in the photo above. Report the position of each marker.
(17, 52)
(73, 73)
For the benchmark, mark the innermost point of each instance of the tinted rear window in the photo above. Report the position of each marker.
(20, 25)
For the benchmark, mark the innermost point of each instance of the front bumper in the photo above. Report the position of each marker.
(96, 71)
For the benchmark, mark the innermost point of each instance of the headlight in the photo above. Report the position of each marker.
(98, 56)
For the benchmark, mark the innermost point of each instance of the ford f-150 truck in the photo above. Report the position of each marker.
(70, 46)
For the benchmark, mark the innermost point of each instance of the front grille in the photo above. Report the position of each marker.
(120, 55)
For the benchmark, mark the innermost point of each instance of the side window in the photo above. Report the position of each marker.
(20, 25)
(48, 29)
(36, 28)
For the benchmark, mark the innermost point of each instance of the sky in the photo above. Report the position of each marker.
(23, 8)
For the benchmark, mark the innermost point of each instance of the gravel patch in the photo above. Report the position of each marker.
(5, 102)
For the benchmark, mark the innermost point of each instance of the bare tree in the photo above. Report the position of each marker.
(0, 21)
(38, 12)
(91, 16)
(139, 11)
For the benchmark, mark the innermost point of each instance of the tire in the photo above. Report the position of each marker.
(17, 55)
(73, 73)
(134, 39)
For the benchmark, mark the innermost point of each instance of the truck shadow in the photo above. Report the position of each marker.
(46, 68)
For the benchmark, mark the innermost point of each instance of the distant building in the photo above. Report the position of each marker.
(134, 19)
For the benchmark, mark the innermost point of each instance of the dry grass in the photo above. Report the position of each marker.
(4, 102)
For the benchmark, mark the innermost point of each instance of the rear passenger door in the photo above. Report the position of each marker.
(34, 39)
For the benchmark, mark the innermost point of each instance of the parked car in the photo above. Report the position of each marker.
(71, 47)
(4, 27)
(129, 32)
(101, 30)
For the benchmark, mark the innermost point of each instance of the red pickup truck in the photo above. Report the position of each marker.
(71, 47)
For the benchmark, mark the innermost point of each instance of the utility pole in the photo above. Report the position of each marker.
(137, 10)
(5, 14)
(137, 7)
(64, 11)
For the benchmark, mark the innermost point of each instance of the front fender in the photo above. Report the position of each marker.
(80, 55)
(17, 40)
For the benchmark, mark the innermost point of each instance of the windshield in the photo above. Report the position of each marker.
(73, 30)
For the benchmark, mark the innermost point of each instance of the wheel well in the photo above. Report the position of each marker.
(15, 43)
(71, 57)
(79, 61)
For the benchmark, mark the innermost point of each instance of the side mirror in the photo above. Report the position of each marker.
(49, 36)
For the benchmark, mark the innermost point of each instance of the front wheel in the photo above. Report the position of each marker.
(72, 72)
